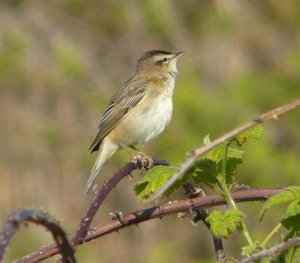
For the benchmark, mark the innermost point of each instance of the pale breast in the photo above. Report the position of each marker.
(149, 118)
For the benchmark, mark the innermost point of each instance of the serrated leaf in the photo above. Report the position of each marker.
(292, 217)
(223, 225)
(204, 171)
(154, 180)
(233, 219)
(293, 207)
(254, 133)
(231, 168)
(291, 221)
(288, 195)
(295, 190)
(218, 154)
(217, 224)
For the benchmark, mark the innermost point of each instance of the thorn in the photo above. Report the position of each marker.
(91, 230)
(135, 213)
(191, 153)
(95, 188)
(130, 177)
(258, 119)
(118, 216)
(183, 214)
(194, 222)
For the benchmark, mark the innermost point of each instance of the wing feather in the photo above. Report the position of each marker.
(121, 103)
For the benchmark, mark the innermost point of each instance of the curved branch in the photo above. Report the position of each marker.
(272, 251)
(102, 192)
(195, 154)
(40, 218)
(163, 210)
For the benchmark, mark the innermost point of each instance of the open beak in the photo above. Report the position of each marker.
(180, 54)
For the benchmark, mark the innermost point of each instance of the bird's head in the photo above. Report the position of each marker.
(158, 62)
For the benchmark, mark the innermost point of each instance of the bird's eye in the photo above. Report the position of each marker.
(162, 61)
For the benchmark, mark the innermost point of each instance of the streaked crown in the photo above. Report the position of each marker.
(158, 61)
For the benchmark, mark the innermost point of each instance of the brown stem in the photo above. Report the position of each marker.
(157, 212)
(195, 154)
(102, 192)
(272, 251)
(40, 218)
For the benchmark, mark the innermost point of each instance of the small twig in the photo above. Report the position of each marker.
(218, 243)
(195, 154)
(102, 192)
(40, 218)
(201, 214)
(157, 212)
(273, 251)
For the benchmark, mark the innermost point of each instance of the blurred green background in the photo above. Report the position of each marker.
(62, 60)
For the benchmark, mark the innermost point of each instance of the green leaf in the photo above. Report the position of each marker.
(255, 133)
(233, 219)
(291, 218)
(154, 180)
(293, 255)
(223, 225)
(289, 194)
(231, 167)
(293, 207)
(295, 190)
(218, 224)
(291, 221)
(218, 154)
(204, 171)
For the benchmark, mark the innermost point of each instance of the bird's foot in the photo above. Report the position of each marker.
(143, 161)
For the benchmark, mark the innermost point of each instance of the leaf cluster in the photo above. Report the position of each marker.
(220, 161)
(291, 218)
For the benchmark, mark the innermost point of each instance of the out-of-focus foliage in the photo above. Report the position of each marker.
(62, 60)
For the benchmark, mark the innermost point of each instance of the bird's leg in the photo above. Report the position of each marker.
(125, 147)
(134, 148)
(141, 159)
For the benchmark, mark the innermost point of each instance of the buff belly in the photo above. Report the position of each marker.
(147, 120)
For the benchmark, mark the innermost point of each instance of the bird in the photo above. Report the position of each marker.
(139, 111)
